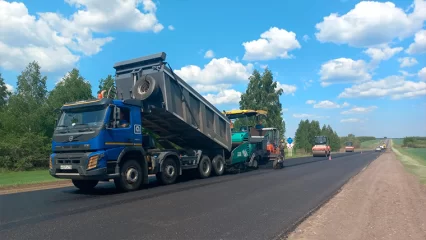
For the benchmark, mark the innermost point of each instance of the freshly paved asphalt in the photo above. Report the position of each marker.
(260, 204)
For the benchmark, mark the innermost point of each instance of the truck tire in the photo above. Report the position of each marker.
(85, 185)
(204, 167)
(218, 165)
(145, 87)
(131, 176)
(169, 172)
(255, 164)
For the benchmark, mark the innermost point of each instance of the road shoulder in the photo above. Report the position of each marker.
(381, 202)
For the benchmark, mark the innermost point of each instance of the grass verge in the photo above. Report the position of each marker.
(413, 159)
(11, 179)
(371, 144)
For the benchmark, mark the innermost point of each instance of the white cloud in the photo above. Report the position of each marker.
(287, 89)
(209, 54)
(371, 23)
(394, 86)
(326, 104)
(228, 96)
(359, 110)
(56, 42)
(9, 87)
(222, 70)
(344, 70)
(306, 115)
(406, 74)
(171, 28)
(284, 109)
(310, 101)
(345, 104)
(305, 38)
(211, 88)
(407, 62)
(274, 43)
(419, 45)
(422, 74)
(263, 66)
(350, 120)
(307, 84)
(378, 54)
(110, 15)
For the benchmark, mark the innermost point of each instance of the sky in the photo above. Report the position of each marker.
(359, 66)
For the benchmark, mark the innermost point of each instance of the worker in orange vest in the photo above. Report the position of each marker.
(101, 94)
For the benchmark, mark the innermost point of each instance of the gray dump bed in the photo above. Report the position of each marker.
(171, 108)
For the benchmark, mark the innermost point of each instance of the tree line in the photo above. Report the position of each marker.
(27, 115)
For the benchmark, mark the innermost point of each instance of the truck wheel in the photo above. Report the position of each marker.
(204, 167)
(218, 165)
(85, 185)
(131, 176)
(255, 164)
(169, 172)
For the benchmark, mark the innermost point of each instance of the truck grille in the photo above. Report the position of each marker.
(69, 160)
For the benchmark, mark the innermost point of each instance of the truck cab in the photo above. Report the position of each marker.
(92, 138)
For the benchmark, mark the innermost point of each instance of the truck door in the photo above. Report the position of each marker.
(123, 133)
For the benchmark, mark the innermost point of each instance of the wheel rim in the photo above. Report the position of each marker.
(144, 87)
(132, 175)
(170, 171)
(205, 167)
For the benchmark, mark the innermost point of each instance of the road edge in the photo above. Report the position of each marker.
(284, 235)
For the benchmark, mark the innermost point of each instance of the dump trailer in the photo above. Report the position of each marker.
(155, 124)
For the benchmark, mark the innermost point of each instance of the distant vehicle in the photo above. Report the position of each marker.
(321, 147)
(349, 147)
(379, 149)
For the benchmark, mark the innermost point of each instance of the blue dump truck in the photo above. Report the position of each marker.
(154, 124)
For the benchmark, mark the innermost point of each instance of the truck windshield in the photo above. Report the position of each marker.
(349, 144)
(320, 140)
(81, 119)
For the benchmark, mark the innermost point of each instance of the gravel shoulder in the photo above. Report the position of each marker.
(382, 202)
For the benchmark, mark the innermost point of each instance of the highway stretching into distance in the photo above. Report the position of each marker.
(259, 204)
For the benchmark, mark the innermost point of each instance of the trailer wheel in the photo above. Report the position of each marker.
(169, 172)
(204, 167)
(85, 185)
(218, 165)
(131, 176)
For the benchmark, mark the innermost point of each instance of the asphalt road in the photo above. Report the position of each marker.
(260, 204)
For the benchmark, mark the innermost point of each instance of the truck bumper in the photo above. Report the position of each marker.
(78, 173)
(74, 166)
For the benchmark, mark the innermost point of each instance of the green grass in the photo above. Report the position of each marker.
(371, 144)
(413, 159)
(8, 178)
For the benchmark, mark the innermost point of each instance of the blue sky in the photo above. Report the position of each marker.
(358, 66)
